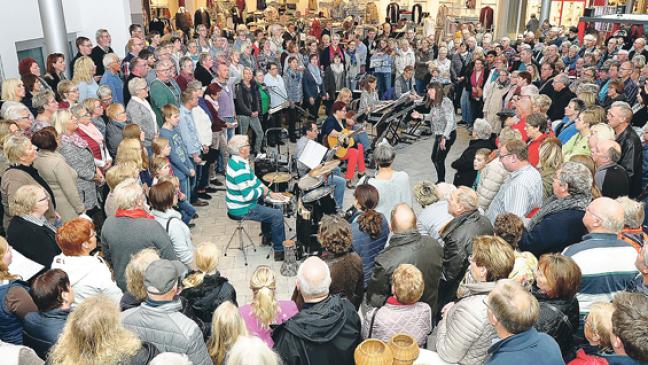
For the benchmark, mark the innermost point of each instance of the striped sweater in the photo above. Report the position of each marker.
(243, 187)
(607, 267)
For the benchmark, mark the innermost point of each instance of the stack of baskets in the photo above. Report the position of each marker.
(401, 349)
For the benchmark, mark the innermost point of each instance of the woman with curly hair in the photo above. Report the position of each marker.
(345, 265)
(265, 309)
(94, 334)
(369, 228)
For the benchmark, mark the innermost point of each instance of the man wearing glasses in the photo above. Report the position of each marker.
(630, 89)
(84, 48)
(244, 190)
(522, 191)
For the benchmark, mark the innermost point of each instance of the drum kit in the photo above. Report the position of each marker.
(311, 199)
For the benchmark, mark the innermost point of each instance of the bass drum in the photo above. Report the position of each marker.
(310, 210)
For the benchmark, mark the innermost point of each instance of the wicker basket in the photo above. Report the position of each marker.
(373, 352)
(404, 349)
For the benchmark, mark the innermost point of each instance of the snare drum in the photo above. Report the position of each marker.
(308, 183)
(286, 204)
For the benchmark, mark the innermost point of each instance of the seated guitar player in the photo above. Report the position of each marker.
(334, 126)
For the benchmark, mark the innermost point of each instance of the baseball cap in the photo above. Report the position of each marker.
(162, 275)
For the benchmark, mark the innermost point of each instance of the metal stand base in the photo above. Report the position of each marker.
(241, 246)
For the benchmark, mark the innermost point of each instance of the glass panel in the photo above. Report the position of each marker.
(35, 53)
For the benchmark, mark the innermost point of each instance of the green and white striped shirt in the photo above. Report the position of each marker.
(243, 187)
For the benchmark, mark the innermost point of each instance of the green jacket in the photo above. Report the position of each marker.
(162, 94)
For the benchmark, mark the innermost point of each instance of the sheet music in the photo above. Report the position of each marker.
(313, 154)
(21, 265)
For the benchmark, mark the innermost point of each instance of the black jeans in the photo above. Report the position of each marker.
(274, 122)
(439, 155)
(313, 110)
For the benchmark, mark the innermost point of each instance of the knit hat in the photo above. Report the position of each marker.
(162, 275)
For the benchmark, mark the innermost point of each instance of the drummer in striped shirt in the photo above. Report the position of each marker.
(244, 190)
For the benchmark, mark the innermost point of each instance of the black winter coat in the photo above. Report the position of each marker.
(631, 158)
(322, 334)
(559, 100)
(247, 99)
(466, 174)
(37, 243)
(559, 319)
(206, 297)
(411, 247)
(457, 236)
(554, 232)
(203, 75)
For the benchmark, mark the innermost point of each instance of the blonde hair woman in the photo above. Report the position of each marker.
(265, 309)
(94, 334)
(205, 289)
(551, 158)
(135, 292)
(131, 150)
(13, 90)
(578, 144)
(69, 92)
(84, 72)
(227, 326)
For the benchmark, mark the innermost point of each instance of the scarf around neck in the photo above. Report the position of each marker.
(553, 204)
(92, 131)
(74, 139)
(315, 71)
(133, 213)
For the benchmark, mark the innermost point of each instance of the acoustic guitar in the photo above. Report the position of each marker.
(343, 141)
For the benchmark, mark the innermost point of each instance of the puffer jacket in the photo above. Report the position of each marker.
(206, 297)
(410, 247)
(171, 221)
(89, 276)
(42, 329)
(168, 329)
(458, 236)
(559, 319)
(465, 334)
(368, 247)
(491, 179)
(390, 319)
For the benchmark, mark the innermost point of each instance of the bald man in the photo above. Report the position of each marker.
(406, 246)
(326, 330)
(610, 177)
(607, 264)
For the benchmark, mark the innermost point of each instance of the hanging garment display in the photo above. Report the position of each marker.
(392, 12)
(417, 12)
(183, 21)
(312, 5)
(486, 17)
(156, 25)
(261, 4)
(372, 13)
(240, 4)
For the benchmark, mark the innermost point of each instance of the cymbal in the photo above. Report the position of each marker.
(324, 168)
(276, 177)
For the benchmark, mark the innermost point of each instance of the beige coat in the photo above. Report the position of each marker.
(493, 104)
(13, 179)
(62, 180)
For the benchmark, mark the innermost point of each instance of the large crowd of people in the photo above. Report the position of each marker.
(534, 254)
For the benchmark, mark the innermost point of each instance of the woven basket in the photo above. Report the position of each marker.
(373, 352)
(404, 349)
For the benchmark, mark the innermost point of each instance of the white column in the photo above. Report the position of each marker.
(53, 23)
(545, 10)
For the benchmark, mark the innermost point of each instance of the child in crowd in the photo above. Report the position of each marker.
(161, 171)
(598, 328)
(226, 328)
(130, 150)
(481, 159)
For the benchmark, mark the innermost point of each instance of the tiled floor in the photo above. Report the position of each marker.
(214, 225)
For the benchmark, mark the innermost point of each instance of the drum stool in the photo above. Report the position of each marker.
(240, 230)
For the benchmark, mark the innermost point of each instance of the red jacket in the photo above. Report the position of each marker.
(534, 149)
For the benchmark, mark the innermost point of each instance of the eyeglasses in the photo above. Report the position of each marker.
(44, 199)
(245, 145)
(501, 157)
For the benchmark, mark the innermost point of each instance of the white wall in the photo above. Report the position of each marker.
(84, 17)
